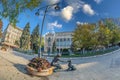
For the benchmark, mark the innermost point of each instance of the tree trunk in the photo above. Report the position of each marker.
(83, 50)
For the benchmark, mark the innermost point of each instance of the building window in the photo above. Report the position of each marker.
(57, 40)
(68, 39)
(60, 40)
(64, 39)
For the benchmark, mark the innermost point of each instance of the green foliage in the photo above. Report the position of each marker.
(115, 36)
(1, 24)
(104, 35)
(42, 42)
(35, 39)
(17, 42)
(110, 24)
(90, 53)
(25, 38)
(54, 47)
(12, 8)
(82, 37)
(90, 36)
(72, 47)
(65, 51)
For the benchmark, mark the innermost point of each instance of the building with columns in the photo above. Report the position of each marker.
(63, 40)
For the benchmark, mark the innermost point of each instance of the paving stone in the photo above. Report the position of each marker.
(104, 67)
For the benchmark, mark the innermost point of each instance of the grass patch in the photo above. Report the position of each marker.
(89, 53)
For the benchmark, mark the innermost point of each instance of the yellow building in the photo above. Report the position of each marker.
(11, 36)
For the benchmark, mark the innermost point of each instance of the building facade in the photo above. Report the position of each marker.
(63, 40)
(11, 36)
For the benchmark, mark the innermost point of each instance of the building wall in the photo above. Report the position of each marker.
(11, 35)
(48, 43)
(63, 40)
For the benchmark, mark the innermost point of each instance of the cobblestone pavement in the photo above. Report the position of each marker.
(13, 67)
(105, 67)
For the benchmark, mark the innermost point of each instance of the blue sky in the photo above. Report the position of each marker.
(72, 12)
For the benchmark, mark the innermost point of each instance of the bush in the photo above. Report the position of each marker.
(24, 51)
(65, 52)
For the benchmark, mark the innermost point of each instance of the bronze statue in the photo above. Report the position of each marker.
(70, 66)
(55, 62)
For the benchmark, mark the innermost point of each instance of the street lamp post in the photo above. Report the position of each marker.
(39, 54)
(37, 13)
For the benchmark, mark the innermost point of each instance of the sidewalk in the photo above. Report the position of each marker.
(105, 67)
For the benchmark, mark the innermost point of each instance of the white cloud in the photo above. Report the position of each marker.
(81, 23)
(88, 10)
(52, 1)
(76, 4)
(53, 25)
(67, 13)
(98, 1)
(73, 6)
(78, 22)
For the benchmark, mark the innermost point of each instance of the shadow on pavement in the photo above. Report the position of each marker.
(21, 68)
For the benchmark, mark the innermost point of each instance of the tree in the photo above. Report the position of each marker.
(25, 38)
(12, 8)
(110, 24)
(17, 42)
(72, 47)
(1, 24)
(42, 42)
(90, 36)
(115, 36)
(35, 39)
(104, 35)
(82, 37)
(54, 47)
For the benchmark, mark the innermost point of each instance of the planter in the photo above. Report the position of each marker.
(35, 72)
(3, 48)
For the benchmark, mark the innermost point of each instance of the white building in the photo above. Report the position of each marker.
(63, 40)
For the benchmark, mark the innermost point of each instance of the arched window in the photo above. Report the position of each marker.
(49, 41)
(64, 39)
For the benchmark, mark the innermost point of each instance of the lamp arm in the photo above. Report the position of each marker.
(48, 6)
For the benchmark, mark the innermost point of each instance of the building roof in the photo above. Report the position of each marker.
(18, 28)
(65, 32)
(59, 32)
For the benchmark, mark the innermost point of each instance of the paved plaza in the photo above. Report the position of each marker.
(105, 67)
